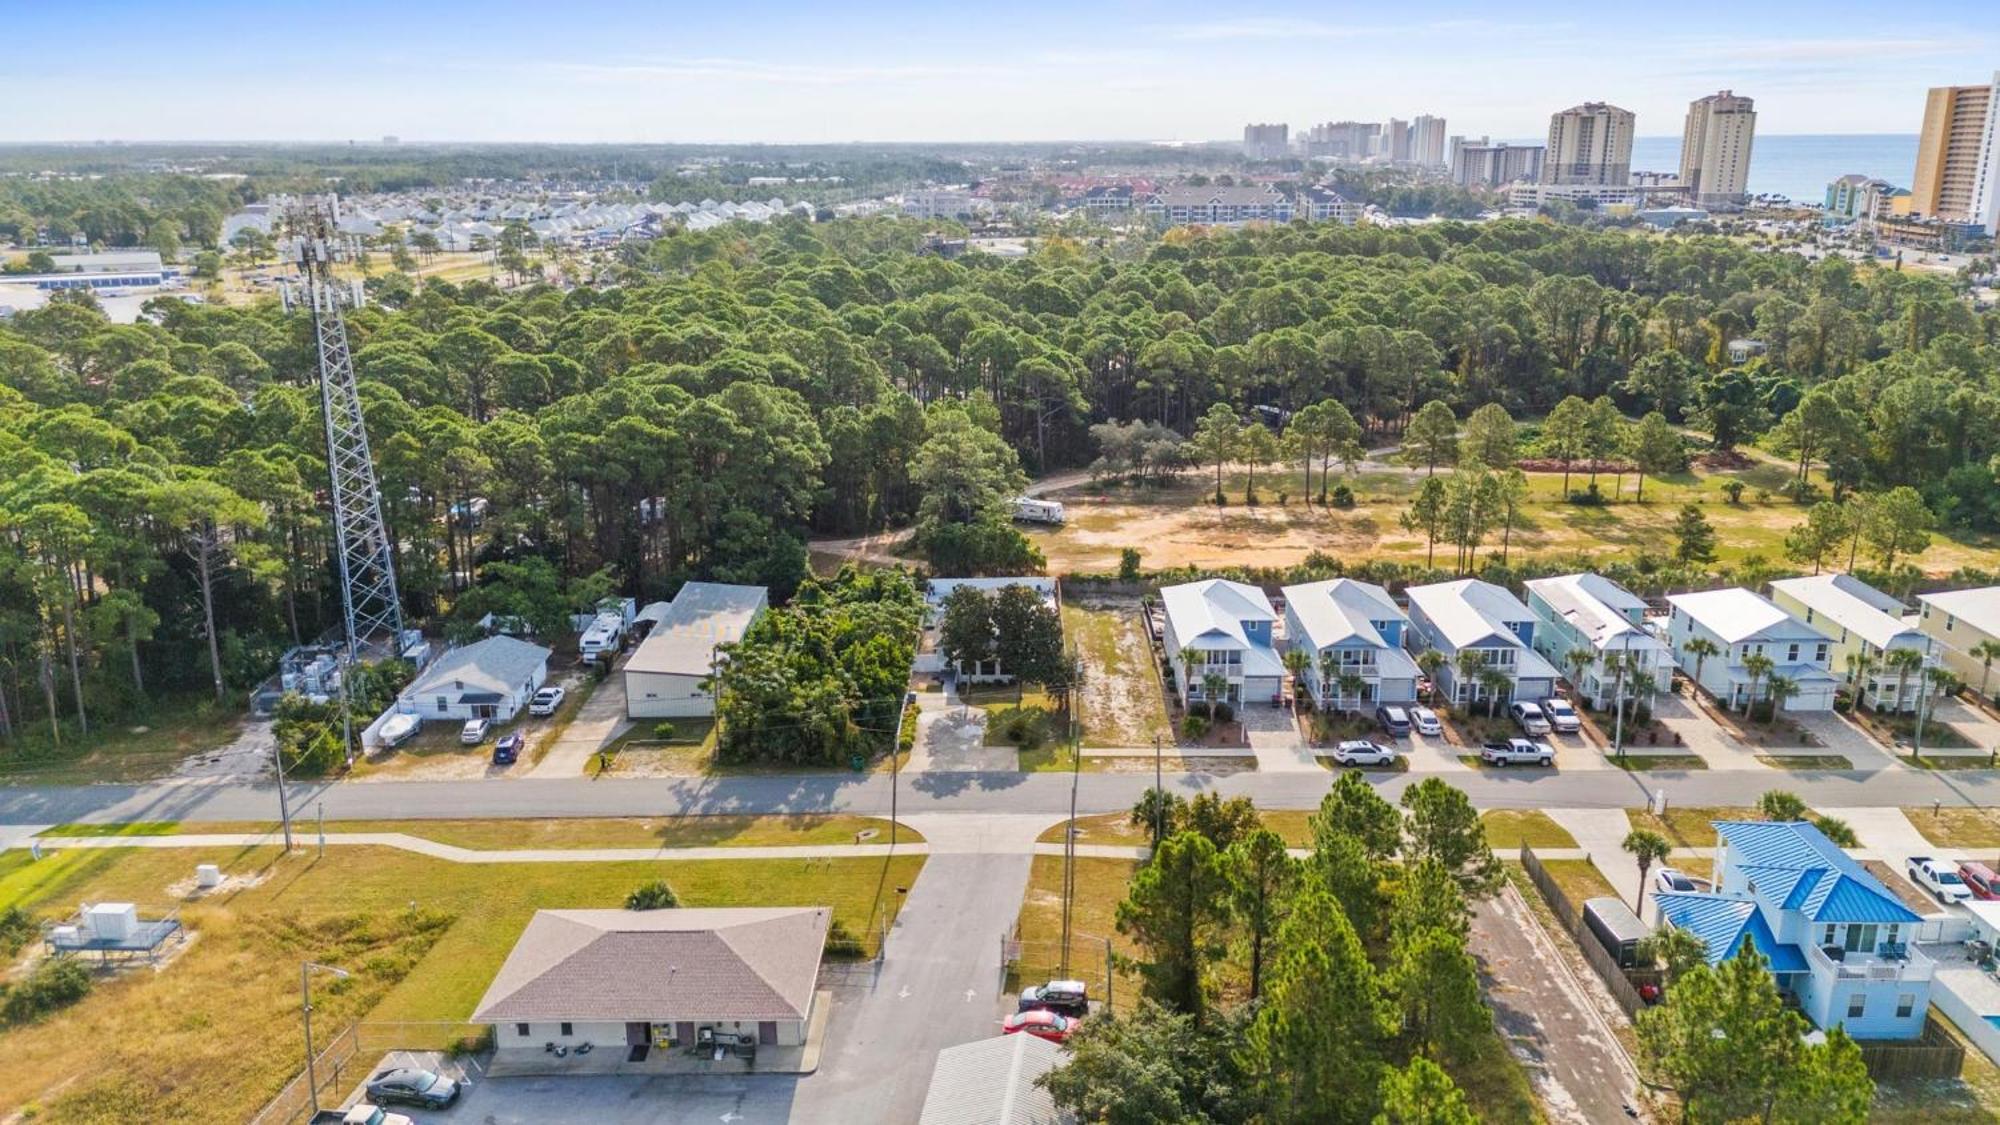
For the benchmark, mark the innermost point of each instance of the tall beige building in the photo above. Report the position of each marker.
(1589, 144)
(1396, 140)
(1427, 141)
(1958, 161)
(1715, 148)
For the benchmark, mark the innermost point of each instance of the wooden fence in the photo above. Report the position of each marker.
(1619, 981)
(1935, 1054)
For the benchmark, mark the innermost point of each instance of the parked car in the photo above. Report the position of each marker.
(475, 731)
(1980, 879)
(406, 1085)
(1068, 997)
(508, 749)
(1395, 720)
(1529, 718)
(1671, 880)
(1939, 877)
(1426, 721)
(545, 701)
(1040, 1023)
(1361, 752)
(1517, 752)
(360, 1114)
(1562, 716)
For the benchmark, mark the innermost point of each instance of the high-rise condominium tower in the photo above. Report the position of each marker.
(1958, 161)
(1427, 141)
(1396, 140)
(1715, 148)
(1589, 144)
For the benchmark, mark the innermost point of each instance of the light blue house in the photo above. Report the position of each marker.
(1353, 631)
(1216, 627)
(1836, 938)
(1591, 613)
(1474, 616)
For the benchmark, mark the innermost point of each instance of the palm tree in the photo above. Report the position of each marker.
(1860, 666)
(1903, 662)
(1297, 661)
(1577, 659)
(1617, 663)
(1351, 685)
(1758, 666)
(1329, 670)
(1432, 662)
(1781, 689)
(1986, 652)
(1468, 664)
(1701, 648)
(1496, 684)
(1214, 685)
(1648, 847)
(1189, 657)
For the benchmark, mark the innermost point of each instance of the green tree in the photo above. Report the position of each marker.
(1218, 437)
(1895, 523)
(1353, 808)
(965, 627)
(1160, 813)
(1435, 980)
(1258, 448)
(1155, 1065)
(1827, 525)
(1647, 847)
(656, 895)
(1429, 512)
(1432, 437)
(1422, 1094)
(1490, 438)
(1655, 449)
(1443, 826)
(1222, 821)
(1175, 911)
(1315, 1043)
(1566, 435)
(1694, 537)
(1261, 876)
(1780, 804)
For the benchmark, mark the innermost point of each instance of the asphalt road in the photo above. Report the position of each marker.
(1040, 793)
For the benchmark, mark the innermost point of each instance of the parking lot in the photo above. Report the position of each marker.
(758, 1099)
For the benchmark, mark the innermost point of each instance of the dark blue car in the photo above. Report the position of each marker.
(507, 749)
(410, 1086)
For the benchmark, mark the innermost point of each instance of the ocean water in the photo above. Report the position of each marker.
(1799, 165)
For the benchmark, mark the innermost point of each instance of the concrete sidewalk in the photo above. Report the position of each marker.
(1600, 833)
(304, 837)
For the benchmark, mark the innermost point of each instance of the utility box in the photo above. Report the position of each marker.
(207, 876)
(112, 921)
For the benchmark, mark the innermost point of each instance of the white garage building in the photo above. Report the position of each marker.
(668, 676)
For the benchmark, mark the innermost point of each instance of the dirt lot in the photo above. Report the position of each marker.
(1122, 704)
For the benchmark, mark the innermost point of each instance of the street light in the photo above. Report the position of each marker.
(306, 1010)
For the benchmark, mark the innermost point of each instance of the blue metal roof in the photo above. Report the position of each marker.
(1791, 865)
(1722, 922)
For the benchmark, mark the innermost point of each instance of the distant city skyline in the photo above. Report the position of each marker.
(625, 71)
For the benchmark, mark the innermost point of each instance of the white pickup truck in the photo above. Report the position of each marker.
(359, 1114)
(1939, 877)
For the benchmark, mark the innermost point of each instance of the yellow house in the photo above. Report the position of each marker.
(1866, 626)
(1963, 621)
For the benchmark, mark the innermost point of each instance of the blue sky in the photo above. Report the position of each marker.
(622, 70)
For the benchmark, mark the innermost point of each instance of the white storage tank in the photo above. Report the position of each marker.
(207, 876)
(112, 921)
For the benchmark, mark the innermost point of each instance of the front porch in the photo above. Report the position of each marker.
(680, 1059)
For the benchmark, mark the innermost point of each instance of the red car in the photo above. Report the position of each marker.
(1981, 879)
(1041, 1024)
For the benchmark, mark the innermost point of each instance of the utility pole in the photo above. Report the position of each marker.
(306, 1011)
(1923, 697)
(284, 803)
(1159, 797)
(1069, 842)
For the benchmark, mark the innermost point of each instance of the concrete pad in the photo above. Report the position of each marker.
(1273, 733)
(1977, 727)
(1839, 736)
(1886, 834)
(1700, 734)
(600, 720)
(1601, 832)
(1429, 754)
(951, 738)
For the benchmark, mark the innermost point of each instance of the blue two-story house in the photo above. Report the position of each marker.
(1836, 938)
(1474, 616)
(1353, 631)
(1216, 627)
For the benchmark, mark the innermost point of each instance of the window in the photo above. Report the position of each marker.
(1857, 1006)
(1948, 621)
(1906, 1003)
(521, 1029)
(565, 1031)
(1820, 653)
(1792, 653)
(1827, 939)
(442, 705)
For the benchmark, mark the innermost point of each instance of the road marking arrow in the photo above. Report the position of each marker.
(732, 1115)
(905, 994)
(970, 993)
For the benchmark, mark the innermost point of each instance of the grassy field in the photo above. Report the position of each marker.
(1493, 1082)
(1508, 829)
(1579, 879)
(216, 1032)
(599, 832)
(1122, 704)
(126, 752)
(1687, 826)
(1958, 827)
(1176, 526)
(1968, 1101)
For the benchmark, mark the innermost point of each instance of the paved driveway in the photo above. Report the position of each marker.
(951, 738)
(599, 720)
(754, 1099)
(1273, 734)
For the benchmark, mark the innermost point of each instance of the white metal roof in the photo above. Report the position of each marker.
(1979, 608)
(938, 589)
(1853, 605)
(1735, 614)
(702, 616)
(1597, 607)
(992, 1082)
(1211, 613)
(1469, 611)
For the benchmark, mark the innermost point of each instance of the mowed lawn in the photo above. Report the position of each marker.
(214, 1034)
(1176, 525)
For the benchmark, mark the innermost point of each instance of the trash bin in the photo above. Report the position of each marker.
(857, 763)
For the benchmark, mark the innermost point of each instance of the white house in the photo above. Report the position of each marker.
(1350, 628)
(656, 979)
(489, 679)
(669, 675)
(1866, 625)
(1470, 615)
(1591, 613)
(1222, 628)
(1740, 623)
(938, 589)
(1836, 939)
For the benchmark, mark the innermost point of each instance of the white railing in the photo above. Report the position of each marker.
(1873, 966)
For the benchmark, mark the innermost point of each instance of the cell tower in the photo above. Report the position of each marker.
(373, 612)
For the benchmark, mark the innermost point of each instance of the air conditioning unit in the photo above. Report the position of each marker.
(207, 876)
(112, 921)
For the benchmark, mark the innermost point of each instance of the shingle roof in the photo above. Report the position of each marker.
(490, 667)
(1722, 922)
(1853, 605)
(620, 965)
(1793, 866)
(703, 615)
(992, 1082)
(1736, 614)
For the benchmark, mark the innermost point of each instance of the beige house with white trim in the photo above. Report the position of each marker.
(1959, 620)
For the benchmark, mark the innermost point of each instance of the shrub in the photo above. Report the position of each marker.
(664, 731)
(1128, 565)
(906, 740)
(656, 895)
(1343, 496)
(1283, 498)
(54, 984)
(17, 928)
(1194, 726)
(841, 942)
(1734, 490)
(1592, 497)
(1836, 830)
(1224, 712)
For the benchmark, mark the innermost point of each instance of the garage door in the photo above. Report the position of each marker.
(1259, 689)
(1811, 699)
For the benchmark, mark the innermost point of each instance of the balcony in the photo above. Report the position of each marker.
(1893, 963)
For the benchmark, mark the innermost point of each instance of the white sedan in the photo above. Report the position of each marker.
(1426, 721)
(1361, 752)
